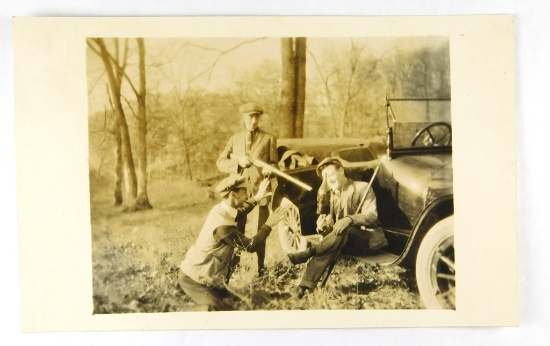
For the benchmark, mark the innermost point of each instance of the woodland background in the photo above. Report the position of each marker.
(192, 89)
(161, 111)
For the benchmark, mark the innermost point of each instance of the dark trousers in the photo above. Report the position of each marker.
(263, 214)
(207, 298)
(352, 241)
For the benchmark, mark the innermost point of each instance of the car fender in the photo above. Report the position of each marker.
(435, 211)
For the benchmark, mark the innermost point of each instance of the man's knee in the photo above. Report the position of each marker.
(332, 242)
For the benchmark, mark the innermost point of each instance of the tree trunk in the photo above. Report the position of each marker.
(188, 160)
(118, 168)
(142, 200)
(300, 87)
(186, 152)
(287, 89)
(128, 169)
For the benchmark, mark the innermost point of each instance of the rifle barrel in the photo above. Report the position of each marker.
(260, 163)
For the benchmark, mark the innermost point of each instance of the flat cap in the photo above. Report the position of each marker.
(327, 162)
(250, 108)
(231, 183)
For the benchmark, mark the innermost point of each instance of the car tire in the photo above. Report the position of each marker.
(435, 266)
(290, 229)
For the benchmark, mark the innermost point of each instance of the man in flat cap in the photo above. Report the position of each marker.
(204, 273)
(350, 226)
(239, 153)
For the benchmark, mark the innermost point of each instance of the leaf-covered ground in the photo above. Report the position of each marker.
(136, 256)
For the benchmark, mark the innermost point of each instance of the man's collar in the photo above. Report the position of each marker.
(229, 209)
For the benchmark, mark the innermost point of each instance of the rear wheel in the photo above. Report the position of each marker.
(435, 266)
(290, 229)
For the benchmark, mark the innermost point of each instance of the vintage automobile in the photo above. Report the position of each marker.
(413, 185)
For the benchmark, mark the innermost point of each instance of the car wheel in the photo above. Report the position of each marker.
(290, 229)
(435, 266)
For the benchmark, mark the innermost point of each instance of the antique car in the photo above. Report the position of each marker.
(411, 175)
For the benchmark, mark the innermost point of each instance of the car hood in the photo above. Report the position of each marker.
(429, 176)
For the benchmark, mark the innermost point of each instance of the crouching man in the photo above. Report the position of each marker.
(349, 226)
(205, 271)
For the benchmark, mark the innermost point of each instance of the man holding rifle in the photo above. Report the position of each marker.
(238, 158)
(349, 224)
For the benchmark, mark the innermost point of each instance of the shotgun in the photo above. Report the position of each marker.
(261, 164)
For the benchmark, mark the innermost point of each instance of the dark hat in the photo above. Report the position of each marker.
(231, 183)
(327, 162)
(249, 108)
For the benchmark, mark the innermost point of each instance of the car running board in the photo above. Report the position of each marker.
(380, 258)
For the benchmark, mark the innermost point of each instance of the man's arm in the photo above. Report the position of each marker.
(225, 163)
(368, 215)
(231, 236)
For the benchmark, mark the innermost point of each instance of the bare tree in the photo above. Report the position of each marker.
(115, 131)
(419, 72)
(134, 196)
(115, 72)
(300, 89)
(344, 81)
(287, 90)
(293, 55)
(142, 199)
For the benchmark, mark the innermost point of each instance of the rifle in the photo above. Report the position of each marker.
(368, 188)
(261, 164)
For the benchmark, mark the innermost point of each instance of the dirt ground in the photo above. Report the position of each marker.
(136, 258)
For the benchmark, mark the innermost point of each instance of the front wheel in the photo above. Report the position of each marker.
(290, 229)
(435, 266)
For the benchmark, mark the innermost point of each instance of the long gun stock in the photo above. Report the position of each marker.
(261, 164)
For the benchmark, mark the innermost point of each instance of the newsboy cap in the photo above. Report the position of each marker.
(231, 183)
(250, 108)
(327, 162)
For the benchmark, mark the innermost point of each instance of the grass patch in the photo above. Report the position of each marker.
(136, 258)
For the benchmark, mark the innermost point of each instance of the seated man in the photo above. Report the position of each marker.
(205, 271)
(352, 210)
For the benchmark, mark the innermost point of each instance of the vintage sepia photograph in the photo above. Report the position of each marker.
(266, 172)
(270, 173)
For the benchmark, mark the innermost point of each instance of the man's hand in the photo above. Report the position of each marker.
(262, 190)
(325, 224)
(342, 224)
(276, 216)
(266, 172)
(245, 162)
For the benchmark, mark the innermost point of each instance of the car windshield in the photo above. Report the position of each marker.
(420, 123)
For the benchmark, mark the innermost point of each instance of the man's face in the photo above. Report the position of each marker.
(335, 176)
(251, 121)
(241, 195)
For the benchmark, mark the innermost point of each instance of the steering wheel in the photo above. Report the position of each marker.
(434, 135)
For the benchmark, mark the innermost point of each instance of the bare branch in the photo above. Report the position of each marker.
(115, 128)
(194, 45)
(324, 79)
(121, 69)
(94, 49)
(96, 81)
(131, 84)
(222, 53)
(129, 105)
